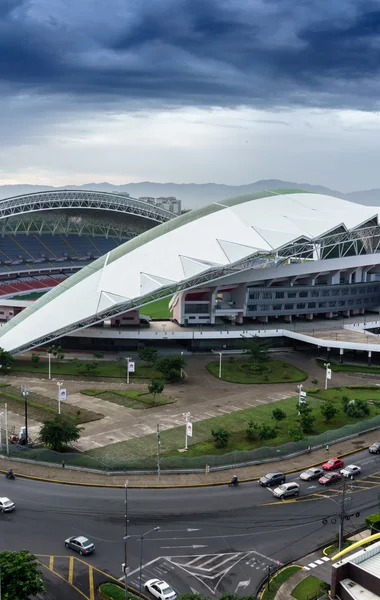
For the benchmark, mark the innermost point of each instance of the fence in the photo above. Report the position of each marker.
(185, 464)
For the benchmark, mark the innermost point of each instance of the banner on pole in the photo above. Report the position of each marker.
(328, 373)
(131, 366)
(189, 428)
(62, 394)
(302, 394)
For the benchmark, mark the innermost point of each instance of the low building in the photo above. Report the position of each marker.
(357, 576)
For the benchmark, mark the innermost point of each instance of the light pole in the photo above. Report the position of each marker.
(158, 452)
(59, 383)
(128, 358)
(6, 431)
(181, 364)
(187, 416)
(327, 366)
(25, 393)
(220, 365)
(126, 538)
(49, 356)
(141, 554)
(1, 429)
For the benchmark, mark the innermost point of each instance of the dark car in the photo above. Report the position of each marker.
(375, 448)
(272, 479)
(80, 544)
(330, 477)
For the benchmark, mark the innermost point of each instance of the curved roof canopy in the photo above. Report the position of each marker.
(186, 252)
(81, 199)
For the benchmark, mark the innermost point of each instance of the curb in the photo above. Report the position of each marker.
(262, 592)
(167, 486)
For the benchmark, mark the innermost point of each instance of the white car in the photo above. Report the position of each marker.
(160, 589)
(6, 505)
(350, 471)
(287, 489)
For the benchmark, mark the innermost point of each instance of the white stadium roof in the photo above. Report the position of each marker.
(199, 246)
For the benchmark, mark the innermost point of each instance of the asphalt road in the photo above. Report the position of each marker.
(210, 540)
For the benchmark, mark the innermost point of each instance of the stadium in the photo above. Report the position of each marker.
(260, 262)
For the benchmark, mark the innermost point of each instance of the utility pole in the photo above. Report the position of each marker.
(158, 452)
(25, 393)
(342, 515)
(6, 434)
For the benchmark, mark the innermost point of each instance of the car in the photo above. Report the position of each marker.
(81, 544)
(350, 471)
(6, 505)
(277, 478)
(375, 448)
(160, 589)
(310, 474)
(287, 489)
(331, 477)
(332, 464)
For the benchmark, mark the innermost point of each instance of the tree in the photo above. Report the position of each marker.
(296, 434)
(170, 366)
(88, 367)
(98, 355)
(57, 352)
(221, 437)
(35, 359)
(357, 409)
(6, 361)
(58, 432)
(266, 432)
(328, 411)
(155, 387)
(306, 417)
(278, 415)
(20, 575)
(257, 349)
(251, 431)
(148, 355)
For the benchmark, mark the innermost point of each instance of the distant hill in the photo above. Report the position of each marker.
(195, 195)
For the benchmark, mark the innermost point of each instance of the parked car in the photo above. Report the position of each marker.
(375, 448)
(272, 479)
(332, 464)
(6, 505)
(310, 474)
(331, 477)
(287, 489)
(81, 544)
(350, 471)
(160, 589)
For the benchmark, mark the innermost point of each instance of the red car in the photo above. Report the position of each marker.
(332, 464)
(331, 477)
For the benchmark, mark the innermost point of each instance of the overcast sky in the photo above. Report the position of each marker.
(229, 91)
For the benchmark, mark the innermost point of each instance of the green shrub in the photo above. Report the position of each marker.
(251, 431)
(296, 434)
(285, 375)
(373, 522)
(314, 381)
(314, 390)
(221, 437)
(357, 409)
(266, 432)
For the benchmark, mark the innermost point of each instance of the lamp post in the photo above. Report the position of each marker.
(327, 366)
(141, 555)
(187, 416)
(25, 393)
(127, 358)
(49, 357)
(59, 383)
(181, 365)
(6, 430)
(1, 429)
(126, 538)
(220, 365)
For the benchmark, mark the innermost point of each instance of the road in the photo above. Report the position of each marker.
(211, 540)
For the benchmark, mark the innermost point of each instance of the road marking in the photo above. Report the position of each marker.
(91, 582)
(71, 570)
(143, 567)
(51, 563)
(194, 546)
(242, 584)
(319, 562)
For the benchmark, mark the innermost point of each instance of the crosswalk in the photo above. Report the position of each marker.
(317, 562)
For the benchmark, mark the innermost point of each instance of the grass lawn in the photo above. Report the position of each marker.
(41, 408)
(32, 296)
(336, 367)
(277, 582)
(241, 370)
(308, 588)
(114, 369)
(130, 399)
(157, 310)
(114, 591)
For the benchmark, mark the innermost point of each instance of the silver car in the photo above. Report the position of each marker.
(81, 544)
(6, 505)
(310, 474)
(287, 489)
(350, 471)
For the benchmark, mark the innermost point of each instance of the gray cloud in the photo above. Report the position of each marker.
(268, 53)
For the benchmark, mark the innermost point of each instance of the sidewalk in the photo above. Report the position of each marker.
(302, 462)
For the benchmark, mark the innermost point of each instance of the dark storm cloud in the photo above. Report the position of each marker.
(261, 53)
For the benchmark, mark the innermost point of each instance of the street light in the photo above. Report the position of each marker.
(181, 364)
(1, 427)
(25, 393)
(141, 553)
(59, 383)
(49, 356)
(126, 538)
(220, 365)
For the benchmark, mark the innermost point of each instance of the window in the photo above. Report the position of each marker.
(303, 294)
(277, 306)
(288, 307)
(292, 294)
(312, 305)
(267, 295)
(335, 292)
(280, 294)
(254, 295)
(301, 305)
(341, 302)
(325, 292)
(315, 294)
(332, 304)
(252, 307)
(322, 304)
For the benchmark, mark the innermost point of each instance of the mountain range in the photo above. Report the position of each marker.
(195, 195)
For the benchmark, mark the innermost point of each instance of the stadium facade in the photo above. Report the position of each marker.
(264, 258)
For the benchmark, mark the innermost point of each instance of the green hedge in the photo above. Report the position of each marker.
(373, 521)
